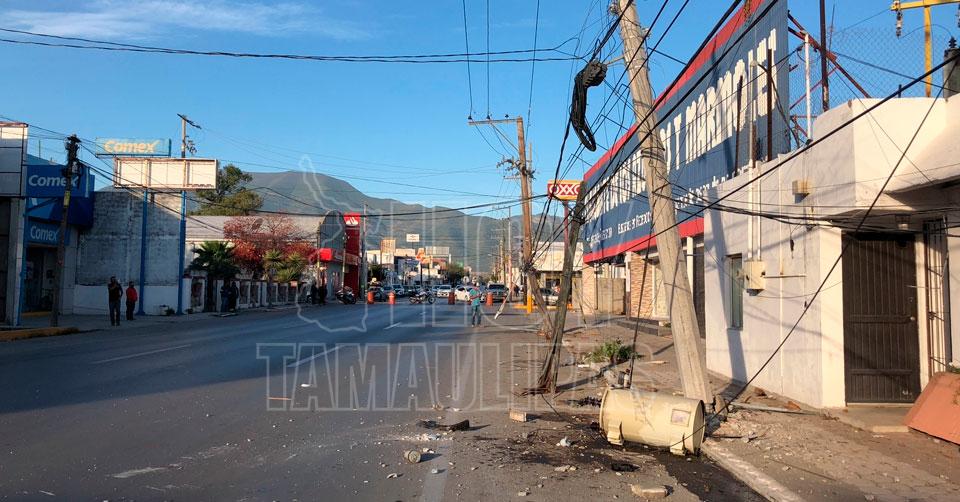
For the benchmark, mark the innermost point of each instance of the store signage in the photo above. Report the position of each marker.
(351, 219)
(133, 147)
(413, 238)
(47, 234)
(564, 189)
(47, 180)
(699, 129)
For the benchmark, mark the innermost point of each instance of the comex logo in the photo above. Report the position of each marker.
(118, 146)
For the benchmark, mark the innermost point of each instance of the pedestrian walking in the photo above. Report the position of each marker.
(224, 297)
(475, 307)
(114, 293)
(131, 300)
(314, 291)
(323, 294)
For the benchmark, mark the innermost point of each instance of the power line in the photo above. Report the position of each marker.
(466, 43)
(405, 58)
(533, 65)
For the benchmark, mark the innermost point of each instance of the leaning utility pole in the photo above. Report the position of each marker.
(683, 319)
(526, 174)
(73, 146)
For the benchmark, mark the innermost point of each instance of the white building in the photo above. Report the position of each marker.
(881, 323)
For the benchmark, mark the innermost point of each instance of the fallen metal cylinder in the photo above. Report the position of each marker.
(651, 418)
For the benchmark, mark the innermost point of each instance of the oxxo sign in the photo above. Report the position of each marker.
(133, 147)
(564, 189)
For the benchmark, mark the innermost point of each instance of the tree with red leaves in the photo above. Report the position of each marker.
(254, 236)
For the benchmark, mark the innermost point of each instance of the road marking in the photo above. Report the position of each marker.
(394, 325)
(136, 472)
(311, 358)
(147, 353)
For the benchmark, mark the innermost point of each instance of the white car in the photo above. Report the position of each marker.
(462, 293)
(443, 291)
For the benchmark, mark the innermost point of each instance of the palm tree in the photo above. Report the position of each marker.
(217, 259)
(272, 260)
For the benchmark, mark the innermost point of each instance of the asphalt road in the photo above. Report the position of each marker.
(284, 405)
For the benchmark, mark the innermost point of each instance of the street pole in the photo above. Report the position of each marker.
(183, 208)
(824, 76)
(143, 250)
(72, 145)
(509, 282)
(683, 320)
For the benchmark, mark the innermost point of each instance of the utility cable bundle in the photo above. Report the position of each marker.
(591, 75)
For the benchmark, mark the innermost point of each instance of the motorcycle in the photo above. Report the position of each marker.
(422, 296)
(346, 296)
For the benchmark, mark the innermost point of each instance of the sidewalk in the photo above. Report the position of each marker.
(809, 456)
(86, 323)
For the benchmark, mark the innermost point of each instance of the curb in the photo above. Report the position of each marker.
(22, 334)
(749, 475)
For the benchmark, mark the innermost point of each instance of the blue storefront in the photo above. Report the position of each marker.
(44, 190)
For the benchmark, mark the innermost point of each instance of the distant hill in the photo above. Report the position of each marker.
(473, 240)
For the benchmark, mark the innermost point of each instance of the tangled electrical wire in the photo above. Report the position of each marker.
(591, 75)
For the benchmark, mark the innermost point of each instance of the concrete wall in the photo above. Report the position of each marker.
(112, 248)
(844, 173)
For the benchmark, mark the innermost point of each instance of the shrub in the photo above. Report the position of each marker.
(613, 352)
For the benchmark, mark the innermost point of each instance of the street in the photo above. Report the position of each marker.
(319, 403)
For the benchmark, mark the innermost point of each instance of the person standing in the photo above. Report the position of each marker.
(224, 297)
(131, 300)
(234, 296)
(475, 307)
(114, 293)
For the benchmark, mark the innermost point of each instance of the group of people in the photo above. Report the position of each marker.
(116, 293)
(318, 294)
(229, 293)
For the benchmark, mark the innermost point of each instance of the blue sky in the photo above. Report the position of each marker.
(388, 122)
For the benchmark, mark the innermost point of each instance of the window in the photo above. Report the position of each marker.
(735, 277)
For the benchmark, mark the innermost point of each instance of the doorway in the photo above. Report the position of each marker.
(880, 331)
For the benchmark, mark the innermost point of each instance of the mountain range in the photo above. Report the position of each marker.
(474, 240)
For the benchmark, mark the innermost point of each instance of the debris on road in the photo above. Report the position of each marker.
(565, 442)
(650, 492)
(518, 416)
(434, 471)
(433, 424)
(565, 468)
(622, 467)
(412, 456)
(584, 401)
(393, 475)
(523, 493)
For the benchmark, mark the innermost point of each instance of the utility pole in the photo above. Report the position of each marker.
(183, 206)
(73, 146)
(683, 320)
(824, 76)
(509, 282)
(526, 174)
(898, 7)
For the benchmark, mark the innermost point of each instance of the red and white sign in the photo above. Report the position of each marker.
(564, 189)
(351, 219)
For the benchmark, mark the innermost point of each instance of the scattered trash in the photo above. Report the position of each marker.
(793, 406)
(305, 385)
(412, 456)
(433, 424)
(426, 450)
(518, 416)
(455, 409)
(393, 475)
(565, 442)
(565, 468)
(757, 407)
(785, 468)
(759, 393)
(523, 493)
(434, 471)
(622, 467)
(650, 492)
(584, 401)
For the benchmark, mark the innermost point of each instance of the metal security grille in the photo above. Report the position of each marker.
(938, 306)
(881, 341)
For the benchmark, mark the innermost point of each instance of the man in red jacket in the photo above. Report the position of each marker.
(131, 300)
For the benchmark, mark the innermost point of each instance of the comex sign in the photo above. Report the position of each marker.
(137, 147)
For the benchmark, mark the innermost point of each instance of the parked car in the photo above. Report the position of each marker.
(462, 293)
(399, 290)
(497, 290)
(443, 291)
(549, 296)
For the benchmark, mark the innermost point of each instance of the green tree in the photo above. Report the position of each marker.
(216, 259)
(291, 268)
(231, 197)
(455, 273)
(272, 260)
